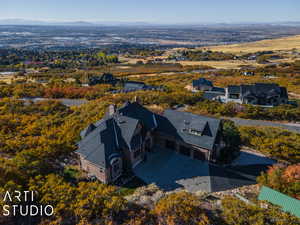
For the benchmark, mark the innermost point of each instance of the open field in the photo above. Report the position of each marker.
(226, 64)
(284, 44)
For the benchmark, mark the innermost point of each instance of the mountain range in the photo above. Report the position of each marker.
(122, 23)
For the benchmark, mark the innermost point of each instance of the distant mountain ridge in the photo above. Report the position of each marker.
(122, 23)
(66, 23)
(39, 22)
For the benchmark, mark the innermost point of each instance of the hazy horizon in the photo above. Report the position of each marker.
(155, 12)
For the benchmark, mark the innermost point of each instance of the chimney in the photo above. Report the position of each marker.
(111, 110)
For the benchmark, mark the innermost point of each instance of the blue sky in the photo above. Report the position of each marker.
(158, 11)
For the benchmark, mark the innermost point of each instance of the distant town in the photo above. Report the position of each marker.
(157, 125)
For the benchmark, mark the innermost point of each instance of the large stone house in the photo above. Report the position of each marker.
(266, 94)
(120, 141)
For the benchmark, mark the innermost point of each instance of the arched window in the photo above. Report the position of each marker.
(116, 165)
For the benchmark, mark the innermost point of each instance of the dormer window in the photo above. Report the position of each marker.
(195, 132)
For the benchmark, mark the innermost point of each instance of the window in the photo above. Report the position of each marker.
(234, 96)
(184, 150)
(196, 132)
(116, 168)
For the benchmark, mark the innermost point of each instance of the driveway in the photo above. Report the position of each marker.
(170, 171)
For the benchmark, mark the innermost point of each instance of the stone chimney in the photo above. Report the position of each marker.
(111, 110)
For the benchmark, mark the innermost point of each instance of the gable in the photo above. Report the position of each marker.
(190, 128)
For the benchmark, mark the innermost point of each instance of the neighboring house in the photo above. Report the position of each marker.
(210, 92)
(130, 86)
(287, 203)
(134, 86)
(119, 141)
(248, 73)
(105, 78)
(265, 94)
(202, 84)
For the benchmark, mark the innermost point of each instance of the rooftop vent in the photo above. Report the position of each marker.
(186, 122)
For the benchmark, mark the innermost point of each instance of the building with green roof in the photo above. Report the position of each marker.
(287, 203)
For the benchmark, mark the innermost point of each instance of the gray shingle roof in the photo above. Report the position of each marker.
(108, 138)
(259, 90)
(190, 128)
(234, 89)
(136, 111)
(202, 81)
(133, 85)
(218, 89)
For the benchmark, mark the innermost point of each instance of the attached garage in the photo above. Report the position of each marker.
(184, 150)
(199, 155)
(170, 145)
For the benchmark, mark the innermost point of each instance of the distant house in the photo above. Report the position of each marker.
(130, 86)
(248, 73)
(134, 86)
(252, 57)
(105, 78)
(215, 94)
(210, 92)
(266, 94)
(119, 142)
(202, 84)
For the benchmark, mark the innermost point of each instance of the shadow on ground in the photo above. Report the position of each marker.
(170, 170)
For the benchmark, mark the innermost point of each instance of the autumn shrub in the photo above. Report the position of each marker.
(180, 209)
(237, 212)
(274, 142)
(285, 179)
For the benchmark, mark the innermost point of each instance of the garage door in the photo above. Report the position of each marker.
(199, 155)
(185, 151)
(170, 145)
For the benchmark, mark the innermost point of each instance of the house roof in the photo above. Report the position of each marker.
(234, 89)
(287, 203)
(107, 136)
(134, 85)
(211, 95)
(137, 111)
(218, 89)
(259, 90)
(105, 141)
(190, 128)
(202, 82)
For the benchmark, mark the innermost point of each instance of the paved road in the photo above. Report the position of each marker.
(65, 101)
(245, 122)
